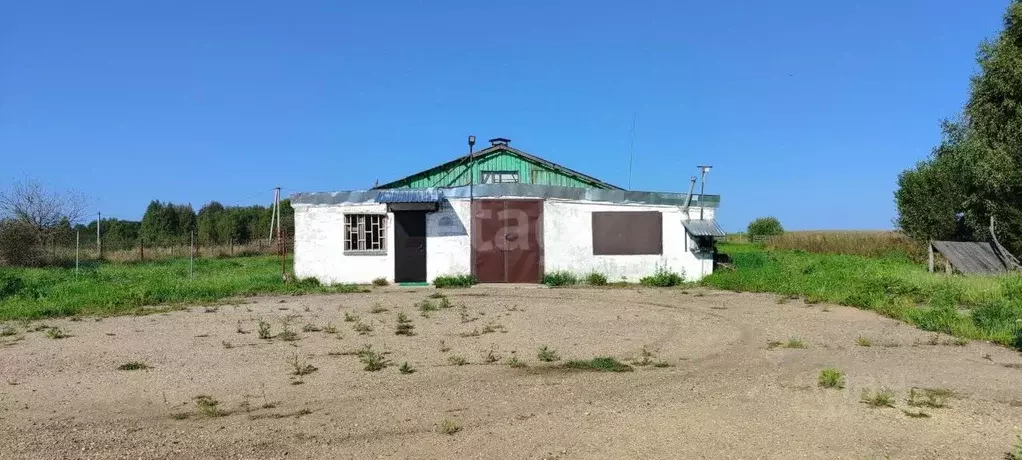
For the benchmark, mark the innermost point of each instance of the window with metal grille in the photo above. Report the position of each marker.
(365, 233)
(500, 177)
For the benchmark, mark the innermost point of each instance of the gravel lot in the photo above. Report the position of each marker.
(726, 393)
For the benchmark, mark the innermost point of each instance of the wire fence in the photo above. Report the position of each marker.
(143, 253)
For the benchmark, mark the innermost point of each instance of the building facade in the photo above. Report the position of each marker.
(502, 215)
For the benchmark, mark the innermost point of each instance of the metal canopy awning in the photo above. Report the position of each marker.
(409, 196)
(705, 227)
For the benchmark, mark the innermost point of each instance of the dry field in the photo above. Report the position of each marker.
(731, 388)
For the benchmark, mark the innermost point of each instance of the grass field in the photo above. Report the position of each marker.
(858, 243)
(970, 307)
(119, 288)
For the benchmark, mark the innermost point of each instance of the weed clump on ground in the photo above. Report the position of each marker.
(448, 427)
(378, 308)
(57, 333)
(404, 325)
(663, 277)
(863, 341)
(372, 360)
(559, 278)
(311, 328)
(601, 364)
(547, 355)
(350, 318)
(514, 362)
(831, 378)
(133, 366)
(361, 328)
(7, 331)
(793, 342)
(406, 368)
(299, 367)
(426, 306)
(596, 279)
(879, 398)
(490, 356)
(1016, 453)
(934, 398)
(264, 330)
(380, 282)
(455, 281)
(457, 360)
(206, 406)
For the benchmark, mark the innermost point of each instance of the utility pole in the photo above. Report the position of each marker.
(471, 206)
(99, 237)
(273, 211)
(191, 258)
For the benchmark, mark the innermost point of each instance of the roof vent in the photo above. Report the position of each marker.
(499, 141)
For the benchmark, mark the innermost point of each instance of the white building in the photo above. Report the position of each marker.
(531, 217)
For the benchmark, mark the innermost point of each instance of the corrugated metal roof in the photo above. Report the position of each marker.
(705, 227)
(970, 256)
(426, 195)
(506, 190)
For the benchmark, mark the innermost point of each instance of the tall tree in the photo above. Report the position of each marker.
(976, 171)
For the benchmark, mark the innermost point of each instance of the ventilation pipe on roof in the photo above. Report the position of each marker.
(688, 198)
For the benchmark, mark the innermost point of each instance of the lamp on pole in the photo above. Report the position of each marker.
(702, 187)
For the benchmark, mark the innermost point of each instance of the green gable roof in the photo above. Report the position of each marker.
(501, 157)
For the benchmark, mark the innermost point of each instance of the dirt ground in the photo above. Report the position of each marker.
(725, 394)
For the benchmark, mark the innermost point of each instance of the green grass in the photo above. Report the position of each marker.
(968, 307)
(831, 378)
(123, 288)
(454, 281)
(600, 364)
(560, 278)
(879, 398)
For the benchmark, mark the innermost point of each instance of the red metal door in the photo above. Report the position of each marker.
(524, 241)
(507, 241)
(487, 225)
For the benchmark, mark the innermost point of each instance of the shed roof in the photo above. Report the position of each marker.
(971, 256)
(703, 227)
(499, 147)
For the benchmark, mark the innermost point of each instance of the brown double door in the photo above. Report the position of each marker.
(507, 240)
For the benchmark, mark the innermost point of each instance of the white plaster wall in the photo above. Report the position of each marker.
(319, 245)
(448, 241)
(568, 243)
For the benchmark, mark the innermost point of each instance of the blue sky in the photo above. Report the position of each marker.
(808, 110)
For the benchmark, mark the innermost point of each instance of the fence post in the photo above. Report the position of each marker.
(191, 257)
(232, 246)
(78, 243)
(141, 250)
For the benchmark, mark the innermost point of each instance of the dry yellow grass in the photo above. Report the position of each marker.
(859, 243)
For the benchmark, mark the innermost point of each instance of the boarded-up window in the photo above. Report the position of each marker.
(628, 233)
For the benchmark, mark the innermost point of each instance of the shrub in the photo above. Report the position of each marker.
(765, 226)
(380, 282)
(10, 285)
(454, 281)
(831, 378)
(404, 325)
(663, 277)
(879, 398)
(19, 245)
(559, 278)
(1018, 339)
(448, 427)
(596, 279)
